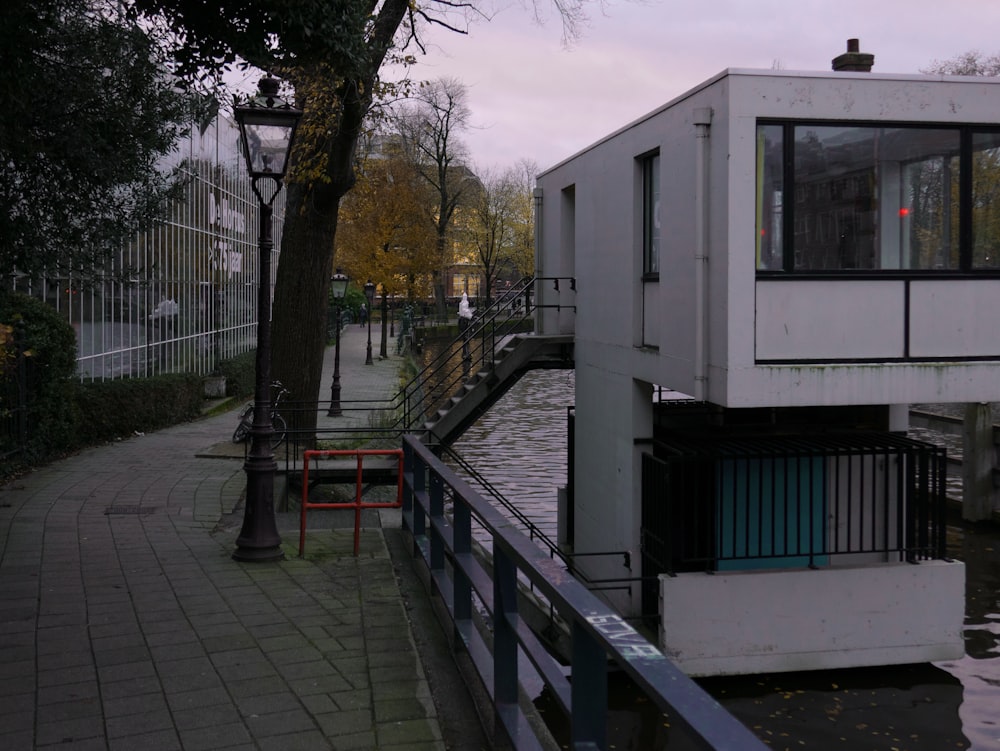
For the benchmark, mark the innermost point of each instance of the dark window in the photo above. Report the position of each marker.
(834, 197)
(651, 214)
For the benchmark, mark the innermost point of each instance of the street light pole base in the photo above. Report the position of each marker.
(258, 555)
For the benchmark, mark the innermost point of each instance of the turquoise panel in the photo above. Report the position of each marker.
(771, 512)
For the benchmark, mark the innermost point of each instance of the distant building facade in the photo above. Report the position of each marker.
(183, 296)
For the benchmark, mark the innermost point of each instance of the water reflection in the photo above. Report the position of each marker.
(520, 447)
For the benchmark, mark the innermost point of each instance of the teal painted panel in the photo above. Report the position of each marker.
(772, 510)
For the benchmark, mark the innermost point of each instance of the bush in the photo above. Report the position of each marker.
(240, 373)
(65, 415)
(49, 345)
(115, 409)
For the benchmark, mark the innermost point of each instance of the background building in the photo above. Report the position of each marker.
(182, 296)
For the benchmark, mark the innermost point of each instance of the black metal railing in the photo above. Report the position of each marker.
(482, 598)
(792, 501)
(470, 352)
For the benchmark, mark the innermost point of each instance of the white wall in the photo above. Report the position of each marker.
(749, 321)
(589, 204)
(757, 622)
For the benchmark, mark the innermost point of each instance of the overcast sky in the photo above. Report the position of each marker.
(534, 98)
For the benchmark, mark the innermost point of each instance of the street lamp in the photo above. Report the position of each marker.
(370, 294)
(338, 285)
(267, 127)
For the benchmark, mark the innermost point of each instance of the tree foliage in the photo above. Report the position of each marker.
(207, 39)
(333, 51)
(88, 115)
(384, 234)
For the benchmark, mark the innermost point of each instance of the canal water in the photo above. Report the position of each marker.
(520, 447)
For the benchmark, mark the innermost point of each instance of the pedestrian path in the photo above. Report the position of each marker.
(126, 624)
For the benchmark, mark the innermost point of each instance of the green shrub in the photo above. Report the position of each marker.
(50, 368)
(240, 373)
(65, 415)
(116, 409)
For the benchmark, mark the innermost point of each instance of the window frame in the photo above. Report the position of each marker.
(650, 179)
(965, 268)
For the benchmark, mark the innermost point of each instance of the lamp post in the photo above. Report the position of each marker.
(267, 127)
(370, 294)
(338, 285)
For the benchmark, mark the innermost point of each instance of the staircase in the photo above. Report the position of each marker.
(479, 365)
(517, 355)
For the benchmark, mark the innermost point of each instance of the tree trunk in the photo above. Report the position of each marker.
(302, 285)
(301, 299)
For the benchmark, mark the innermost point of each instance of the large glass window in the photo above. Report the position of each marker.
(863, 198)
(986, 200)
(651, 214)
(770, 196)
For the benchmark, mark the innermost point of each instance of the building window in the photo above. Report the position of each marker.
(986, 200)
(651, 214)
(770, 194)
(873, 198)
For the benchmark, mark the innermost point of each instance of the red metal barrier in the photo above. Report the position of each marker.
(357, 504)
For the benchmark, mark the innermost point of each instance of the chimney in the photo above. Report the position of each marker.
(854, 60)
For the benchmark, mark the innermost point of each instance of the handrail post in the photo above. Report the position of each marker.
(436, 502)
(461, 587)
(419, 485)
(504, 634)
(589, 690)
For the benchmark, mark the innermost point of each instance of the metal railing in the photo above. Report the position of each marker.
(482, 599)
(792, 501)
(472, 350)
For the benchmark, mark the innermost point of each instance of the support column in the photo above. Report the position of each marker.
(977, 462)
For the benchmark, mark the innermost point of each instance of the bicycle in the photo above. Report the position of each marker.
(242, 432)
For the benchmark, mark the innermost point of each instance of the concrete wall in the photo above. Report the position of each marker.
(756, 622)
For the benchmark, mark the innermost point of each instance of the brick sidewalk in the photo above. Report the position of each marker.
(125, 623)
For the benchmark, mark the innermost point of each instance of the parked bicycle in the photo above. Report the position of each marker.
(242, 432)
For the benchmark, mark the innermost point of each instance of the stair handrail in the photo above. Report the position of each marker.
(476, 344)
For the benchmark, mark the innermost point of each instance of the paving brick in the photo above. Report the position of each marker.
(139, 723)
(140, 632)
(215, 737)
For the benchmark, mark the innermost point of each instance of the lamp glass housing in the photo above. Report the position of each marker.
(267, 128)
(338, 285)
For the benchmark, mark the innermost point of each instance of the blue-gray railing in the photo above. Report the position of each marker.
(439, 509)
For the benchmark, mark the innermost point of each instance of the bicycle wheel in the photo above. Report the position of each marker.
(280, 427)
(246, 422)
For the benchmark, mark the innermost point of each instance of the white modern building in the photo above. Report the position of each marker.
(767, 270)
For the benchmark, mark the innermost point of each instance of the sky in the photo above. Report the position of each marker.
(535, 98)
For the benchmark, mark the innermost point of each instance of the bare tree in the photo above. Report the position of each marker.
(501, 231)
(971, 63)
(428, 127)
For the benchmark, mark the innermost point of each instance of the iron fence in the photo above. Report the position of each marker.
(791, 501)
